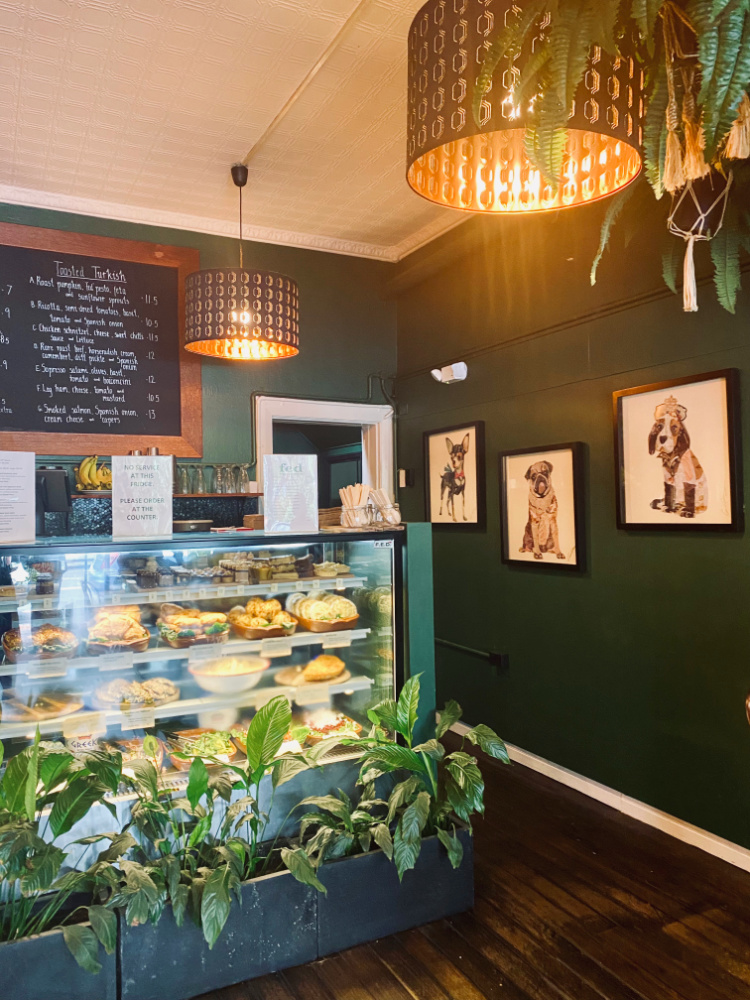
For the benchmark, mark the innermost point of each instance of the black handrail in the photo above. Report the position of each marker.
(495, 658)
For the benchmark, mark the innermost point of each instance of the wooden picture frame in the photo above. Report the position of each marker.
(542, 521)
(686, 472)
(184, 260)
(445, 459)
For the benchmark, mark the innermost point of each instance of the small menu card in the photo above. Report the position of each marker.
(290, 493)
(17, 496)
(141, 496)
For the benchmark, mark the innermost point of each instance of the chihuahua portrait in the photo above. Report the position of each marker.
(453, 479)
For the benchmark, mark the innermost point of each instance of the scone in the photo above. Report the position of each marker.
(283, 618)
(323, 668)
(263, 609)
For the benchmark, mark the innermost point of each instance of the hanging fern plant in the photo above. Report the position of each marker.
(696, 137)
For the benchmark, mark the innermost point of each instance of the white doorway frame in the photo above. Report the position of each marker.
(375, 420)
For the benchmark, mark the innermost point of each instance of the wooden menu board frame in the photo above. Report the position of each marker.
(185, 260)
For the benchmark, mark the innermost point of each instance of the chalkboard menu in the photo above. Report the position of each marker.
(91, 345)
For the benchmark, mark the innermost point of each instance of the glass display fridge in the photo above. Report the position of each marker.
(105, 642)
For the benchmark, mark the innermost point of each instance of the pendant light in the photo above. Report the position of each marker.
(454, 162)
(239, 314)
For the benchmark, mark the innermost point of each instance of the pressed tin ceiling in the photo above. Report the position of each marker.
(135, 110)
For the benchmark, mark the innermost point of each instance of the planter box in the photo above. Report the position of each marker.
(366, 901)
(42, 967)
(275, 928)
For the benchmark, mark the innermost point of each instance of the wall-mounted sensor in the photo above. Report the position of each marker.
(451, 373)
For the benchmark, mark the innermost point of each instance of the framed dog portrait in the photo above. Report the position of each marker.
(541, 506)
(678, 454)
(454, 476)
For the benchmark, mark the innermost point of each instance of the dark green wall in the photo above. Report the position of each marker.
(346, 327)
(635, 672)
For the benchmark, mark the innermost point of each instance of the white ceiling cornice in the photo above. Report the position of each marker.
(10, 195)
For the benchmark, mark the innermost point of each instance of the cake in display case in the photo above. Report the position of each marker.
(104, 643)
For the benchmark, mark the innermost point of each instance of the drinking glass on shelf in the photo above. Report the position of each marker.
(243, 486)
(183, 479)
(199, 482)
(227, 479)
(219, 478)
(234, 479)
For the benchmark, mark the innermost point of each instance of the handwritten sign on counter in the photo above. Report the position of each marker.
(141, 496)
(290, 484)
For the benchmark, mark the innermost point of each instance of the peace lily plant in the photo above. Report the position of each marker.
(440, 789)
(194, 851)
(45, 790)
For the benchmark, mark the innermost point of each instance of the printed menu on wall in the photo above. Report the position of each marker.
(17, 496)
(290, 493)
(141, 496)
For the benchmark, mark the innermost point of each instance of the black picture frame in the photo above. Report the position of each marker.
(509, 541)
(481, 522)
(734, 455)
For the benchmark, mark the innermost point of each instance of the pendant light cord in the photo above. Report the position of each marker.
(240, 229)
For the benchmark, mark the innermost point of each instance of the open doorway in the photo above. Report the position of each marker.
(373, 425)
(339, 451)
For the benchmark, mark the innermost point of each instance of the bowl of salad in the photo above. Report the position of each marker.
(213, 746)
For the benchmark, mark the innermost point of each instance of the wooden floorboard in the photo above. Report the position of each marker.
(574, 901)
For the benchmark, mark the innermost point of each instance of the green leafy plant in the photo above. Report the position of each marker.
(696, 59)
(440, 788)
(180, 855)
(45, 790)
(202, 846)
(339, 828)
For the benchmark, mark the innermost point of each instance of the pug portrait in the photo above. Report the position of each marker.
(541, 532)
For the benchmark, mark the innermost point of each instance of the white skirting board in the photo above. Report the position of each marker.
(677, 828)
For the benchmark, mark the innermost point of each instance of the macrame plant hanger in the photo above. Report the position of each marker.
(689, 164)
(699, 194)
(699, 229)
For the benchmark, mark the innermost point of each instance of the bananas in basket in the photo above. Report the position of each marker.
(88, 477)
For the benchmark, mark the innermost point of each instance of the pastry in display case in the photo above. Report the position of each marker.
(184, 640)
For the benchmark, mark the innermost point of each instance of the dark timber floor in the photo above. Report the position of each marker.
(574, 902)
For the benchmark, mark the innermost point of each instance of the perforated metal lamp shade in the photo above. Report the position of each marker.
(452, 161)
(241, 315)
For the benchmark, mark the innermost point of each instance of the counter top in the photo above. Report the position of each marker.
(65, 544)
